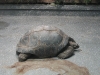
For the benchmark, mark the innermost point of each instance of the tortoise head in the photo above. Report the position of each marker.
(74, 45)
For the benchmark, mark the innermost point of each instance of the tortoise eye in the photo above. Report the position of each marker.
(74, 46)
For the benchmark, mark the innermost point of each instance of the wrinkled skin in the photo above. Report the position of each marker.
(69, 49)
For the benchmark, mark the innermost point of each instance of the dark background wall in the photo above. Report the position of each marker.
(49, 1)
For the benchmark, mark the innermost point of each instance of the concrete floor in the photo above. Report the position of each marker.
(84, 29)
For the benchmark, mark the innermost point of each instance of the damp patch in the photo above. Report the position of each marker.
(3, 25)
(58, 66)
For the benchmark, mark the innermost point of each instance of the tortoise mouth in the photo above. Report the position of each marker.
(76, 46)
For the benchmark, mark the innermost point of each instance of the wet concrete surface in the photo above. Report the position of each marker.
(3, 25)
(58, 66)
(84, 29)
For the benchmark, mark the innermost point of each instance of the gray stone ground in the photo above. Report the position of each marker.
(84, 29)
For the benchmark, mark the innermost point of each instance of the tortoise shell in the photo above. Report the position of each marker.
(43, 41)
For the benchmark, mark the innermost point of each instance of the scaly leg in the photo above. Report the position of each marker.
(23, 57)
(67, 53)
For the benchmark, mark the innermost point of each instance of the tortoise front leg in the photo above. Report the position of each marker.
(70, 49)
(67, 53)
(23, 57)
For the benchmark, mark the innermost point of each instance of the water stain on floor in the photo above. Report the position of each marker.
(62, 67)
(3, 25)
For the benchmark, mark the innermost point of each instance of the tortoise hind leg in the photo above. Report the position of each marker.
(17, 53)
(23, 57)
(67, 53)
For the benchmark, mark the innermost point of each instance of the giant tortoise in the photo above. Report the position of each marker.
(45, 42)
